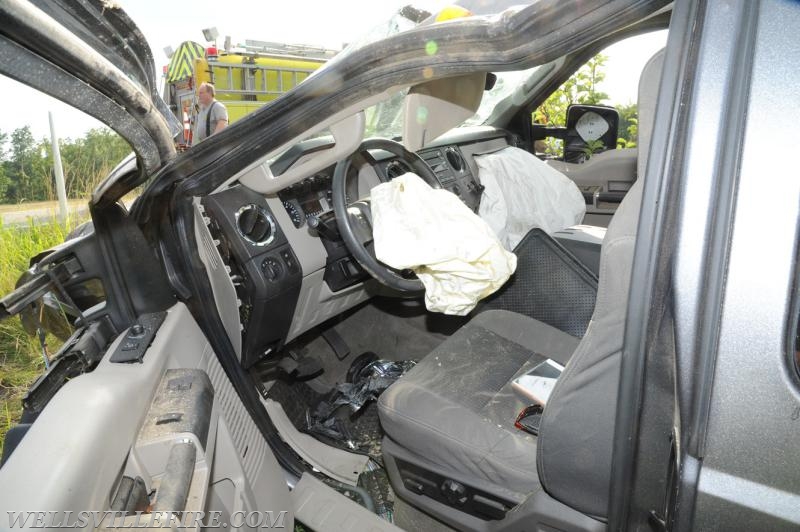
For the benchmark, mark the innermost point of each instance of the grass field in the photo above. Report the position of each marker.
(72, 204)
(20, 355)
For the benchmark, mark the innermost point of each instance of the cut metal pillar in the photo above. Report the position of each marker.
(61, 188)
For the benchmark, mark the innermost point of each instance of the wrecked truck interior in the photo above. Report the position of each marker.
(375, 304)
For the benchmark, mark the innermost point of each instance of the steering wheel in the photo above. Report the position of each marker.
(355, 220)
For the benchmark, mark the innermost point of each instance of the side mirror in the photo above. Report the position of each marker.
(590, 129)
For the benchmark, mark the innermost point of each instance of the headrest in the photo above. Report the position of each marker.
(649, 82)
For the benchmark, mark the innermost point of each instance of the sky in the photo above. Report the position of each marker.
(314, 22)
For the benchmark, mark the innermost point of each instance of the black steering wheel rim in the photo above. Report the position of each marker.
(371, 265)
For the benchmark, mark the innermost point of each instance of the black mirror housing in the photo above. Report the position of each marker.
(590, 129)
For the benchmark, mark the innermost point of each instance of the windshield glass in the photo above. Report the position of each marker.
(504, 88)
(385, 119)
(405, 19)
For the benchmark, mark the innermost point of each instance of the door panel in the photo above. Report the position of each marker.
(109, 424)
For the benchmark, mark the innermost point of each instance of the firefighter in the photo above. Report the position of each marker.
(213, 116)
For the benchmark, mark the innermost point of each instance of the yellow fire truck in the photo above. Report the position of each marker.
(245, 77)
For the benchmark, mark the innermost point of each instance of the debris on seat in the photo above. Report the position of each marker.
(454, 253)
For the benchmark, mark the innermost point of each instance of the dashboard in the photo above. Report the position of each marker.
(284, 259)
(312, 197)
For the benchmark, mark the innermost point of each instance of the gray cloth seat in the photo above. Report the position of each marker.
(456, 408)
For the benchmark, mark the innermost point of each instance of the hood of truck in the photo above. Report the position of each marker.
(90, 55)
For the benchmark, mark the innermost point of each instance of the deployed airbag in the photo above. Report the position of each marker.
(522, 192)
(454, 253)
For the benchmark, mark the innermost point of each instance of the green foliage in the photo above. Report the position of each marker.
(581, 87)
(4, 181)
(592, 147)
(26, 174)
(90, 159)
(628, 125)
(25, 171)
(26, 164)
(3, 140)
(20, 355)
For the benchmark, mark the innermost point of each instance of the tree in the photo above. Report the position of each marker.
(628, 125)
(89, 159)
(580, 88)
(26, 169)
(3, 140)
(4, 181)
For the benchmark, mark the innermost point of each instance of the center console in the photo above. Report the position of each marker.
(265, 271)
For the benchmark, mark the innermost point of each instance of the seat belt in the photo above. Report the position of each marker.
(208, 118)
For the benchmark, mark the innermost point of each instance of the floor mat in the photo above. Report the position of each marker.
(298, 399)
(375, 482)
(363, 427)
(395, 329)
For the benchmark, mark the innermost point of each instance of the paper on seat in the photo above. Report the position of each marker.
(454, 253)
(521, 192)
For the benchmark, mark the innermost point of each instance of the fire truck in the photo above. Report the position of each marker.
(245, 77)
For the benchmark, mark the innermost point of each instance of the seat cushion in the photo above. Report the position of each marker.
(456, 407)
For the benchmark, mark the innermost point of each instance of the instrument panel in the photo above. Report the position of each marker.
(310, 197)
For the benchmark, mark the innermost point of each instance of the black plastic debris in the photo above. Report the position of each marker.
(368, 382)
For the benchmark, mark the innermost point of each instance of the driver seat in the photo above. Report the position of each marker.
(451, 447)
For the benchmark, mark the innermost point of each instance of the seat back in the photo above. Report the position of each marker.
(577, 428)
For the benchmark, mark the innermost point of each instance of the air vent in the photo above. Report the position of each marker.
(396, 169)
(455, 159)
(436, 160)
(255, 225)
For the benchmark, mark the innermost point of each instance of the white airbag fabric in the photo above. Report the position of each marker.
(521, 192)
(454, 253)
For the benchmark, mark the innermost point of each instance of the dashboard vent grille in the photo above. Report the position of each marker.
(396, 169)
(454, 159)
(438, 164)
(255, 225)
